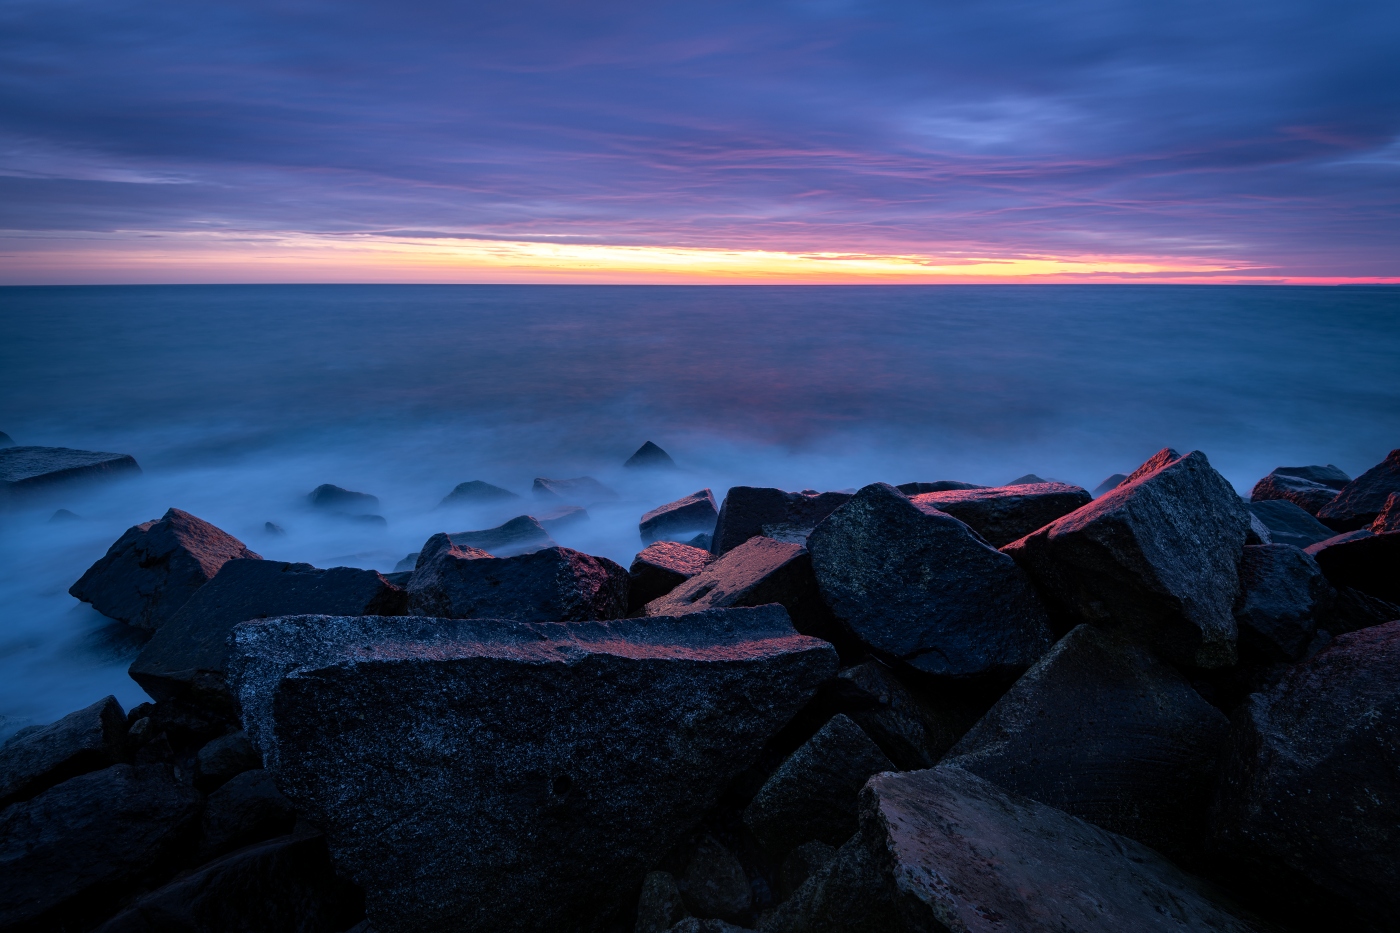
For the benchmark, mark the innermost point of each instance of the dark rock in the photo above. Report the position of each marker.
(1283, 596)
(582, 490)
(376, 520)
(35, 759)
(63, 516)
(850, 893)
(1355, 610)
(1310, 794)
(521, 535)
(285, 884)
(6, 440)
(1362, 560)
(813, 794)
(684, 517)
(714, 885)
(225, 757)
(557, 584)
(919, 586)
(246, 810)
(1308, 487)
(660, 905)
(564, 516)
(155, 567)
(408, 563)
(787, 516)
(1387, 521)
(802, 863)
(696, 925)
(660, 568)
(1004, 513)
(1289, 524)
(277, 531)
(1362, 499)
(476, 492)
(1258, 532)
(650, 457)
(334, 499)
(1108, 485)
(26, 472)
(492, 760)
(1030, 479)
(186, 656)
(913, 733)
(1158, 557)
(400, 578)
(943, 485)
(702, 541)
(1101, 729)
(71, 855)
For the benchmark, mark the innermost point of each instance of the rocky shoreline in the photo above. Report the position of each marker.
(929, 707)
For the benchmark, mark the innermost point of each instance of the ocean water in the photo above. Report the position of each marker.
(237, 401)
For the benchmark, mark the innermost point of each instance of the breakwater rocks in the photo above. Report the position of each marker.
(929, 707)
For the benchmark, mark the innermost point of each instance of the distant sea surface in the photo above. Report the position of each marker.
(237, 401)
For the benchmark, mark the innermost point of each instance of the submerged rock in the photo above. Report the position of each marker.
(680, 519)
(564, 516)
(335, 499)
(6, 440)
(1109, 484)
(1002, 514)
(748, 511)
(1361, 500)
(63, 517)
(660, 568)
(26, 472)
(650, 457)
(521, 535)
(582, 490)
(1030, 479)
(1308, 487)
(88, 740)
(1289, 524)
(476, 492)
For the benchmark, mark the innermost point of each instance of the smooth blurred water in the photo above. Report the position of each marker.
(239, 400)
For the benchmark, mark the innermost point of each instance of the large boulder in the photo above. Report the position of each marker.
(1308, 487)
(650, 457)
(1001, 514)
(714, 885)
(186, 657)
(460, 767)
(34, 760)
(521, 535)
(1157, 557)
(1310, 793)
(155, 567)
(335, 499)
(1101, 729)
(581, 490)
(26, 472)
(914, 731)
(556, 584)
(1362, 499)
(1283, 598)
(941, 485)
(787, 516)
(661, 567)
(916, 585)
(686, 517)
(246, 810)
(1389, 518)
(476, 492)
(1287, 523)
(1362, 560)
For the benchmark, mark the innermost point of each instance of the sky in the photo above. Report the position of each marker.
(815, 141)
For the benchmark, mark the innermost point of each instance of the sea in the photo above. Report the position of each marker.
(237, 401)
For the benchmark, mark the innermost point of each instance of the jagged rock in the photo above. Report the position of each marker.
(1362, 560)
(556, 584)
(1101, 729)
(275, 530)
(1030, 479)
(1157, 557)
(1002, 514)
(650, 457)
(476, 492)
(336, 499)
(26, 472)
(919, 586)
(789, 516)
(1355, 610)
(802, 863)
(36, 759)
(69, 856)
(660, 905)
(848, 894)
(682, 518)
(1361, 500)
(1389, 518)
(225, 757)
(155, 567)
(714, 885)
(1283, 596)
(564, 516)
(186, 656)
(942, 485)
(813, 794)
(1258, 532)
(521, 535)
(1289, 524)
(63, 517)
(582, 490)
(491, 760)
(1108, 485)
(660, 568)
(246, 810)
(913, 733)
(1310, 794)
(1308, 487)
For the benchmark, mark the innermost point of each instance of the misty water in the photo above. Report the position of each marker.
(237, 401)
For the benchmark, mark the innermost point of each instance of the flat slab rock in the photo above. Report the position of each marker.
(480, 774)
(1289, 524)
(661, 567)
(748, 511)
(683, 518)
(1308, 487)
(1001, 514)
(87, 740)
(25, 471)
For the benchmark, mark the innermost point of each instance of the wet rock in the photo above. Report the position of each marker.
(1002, 514)
(918, 586)
(521, 535)
(154, 568)
(71, 855)
(1157, 557)
(943, 485)
(912, 732)
(246, 810)
(493, 760)
(277, 531)
(1289, 524)
(1108, 485)
(1386, 522)
(789, 516)
(476, 492)
(38, 758)
(802, 863)
(556, 584)
(1362, 560)
(1283, 596)
(813, 794)
(186, 656)
(26, 472)
(582, 490)
(660, 568)
(63, 516)
(1310, 794)
(1361, 500)
(1030, 479)
(564, 516)
(225, 757)
(714, 885)
(335, 499)
(1308, 487)
(680, 519)
(660, 905)
(1101, 729)
(650, 457)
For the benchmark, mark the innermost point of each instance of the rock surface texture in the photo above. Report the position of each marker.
(684, 518)
(1362, 560)
(1001, 514)
(1289, 524)
(661, 567)
(1283, 597)
(34, 761)
(1308, 487)
(1361, 500)
(30, 471)
(521, 535)
(461, 767)
(788, 516)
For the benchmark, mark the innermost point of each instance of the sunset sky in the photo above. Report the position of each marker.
(821, 141)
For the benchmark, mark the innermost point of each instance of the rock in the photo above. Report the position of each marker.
(1310, 794)
(1362, 560)
(186, 656)
(1004, 513)
(476, 492)
(789, 516)
(943, 485)
(521, 535)
(1101, 729)
(556, 584)
(1289, 524)
(334, 499)
(285, 884)
(1108, 485)
(1157, 557)
(682, 518)
(802, 863)
(848, 894)
(1355, 610)
(564, 516)
(26, 472)
(714, 885)
(400, 578)
(702, 541)
(226, 757)
(913, 734)
(6, 440)
(696, 925)
(1361, 500)
(650, 457)
(155, 567)
(277, 531)
(408, 563)
(1030, 479)
(1387, 521)
(660, 568)
(1258, 532)
(461, 767)
(69, 856)
(660, 905)
(36, 759)
(246, 810)
(63, 516)
(582, 490)
(918, 586)
(1283, 596)
(1308, 487)
(813, 794)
